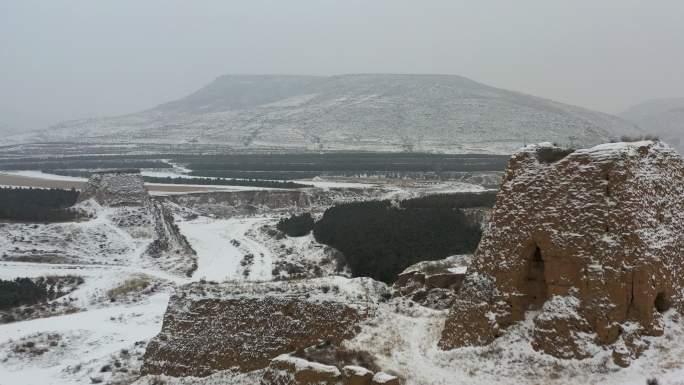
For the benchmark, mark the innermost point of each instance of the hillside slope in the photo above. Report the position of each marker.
(360, 112)
(663, 117)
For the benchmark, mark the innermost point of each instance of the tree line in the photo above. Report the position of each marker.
(379, 239)
(296, 225)
(29, 291)
(346, 161)
(21, 291)
(37, 205)
(459, 200)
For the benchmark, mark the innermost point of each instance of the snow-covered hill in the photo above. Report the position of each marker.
(663, 117)
(379, 112)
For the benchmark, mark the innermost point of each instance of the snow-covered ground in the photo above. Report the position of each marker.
(91, 338)
(94, 336)
(403, 192)
(404, 337)
(222, 245)
(96, 240)
(327, 183)
(98, 278)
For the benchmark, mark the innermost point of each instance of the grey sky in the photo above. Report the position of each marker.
(67, 59)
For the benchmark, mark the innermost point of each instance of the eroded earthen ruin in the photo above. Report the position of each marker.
(213, 327)
(116, 188)
(590, 241)
(133, 209)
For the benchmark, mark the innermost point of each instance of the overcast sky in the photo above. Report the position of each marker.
(67, 59)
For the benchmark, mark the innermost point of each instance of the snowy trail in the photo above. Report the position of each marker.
(219, 258)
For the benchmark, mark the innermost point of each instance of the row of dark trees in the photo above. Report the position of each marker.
(21, 291)
(296, 225)
(309, 165)
(37, 205)
(358, 161)
(379, 239)
(460, 200)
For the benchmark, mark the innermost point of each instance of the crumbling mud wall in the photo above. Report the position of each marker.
(593, 240)
(131, 208)
(213, 327)
(116, 188)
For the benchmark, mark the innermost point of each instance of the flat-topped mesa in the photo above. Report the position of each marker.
(593, 240)
(116, 188)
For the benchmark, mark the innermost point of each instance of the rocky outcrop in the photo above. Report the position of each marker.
(433, 283)
(323, 364)
(210, 327)
(290, 370)
(593, 240)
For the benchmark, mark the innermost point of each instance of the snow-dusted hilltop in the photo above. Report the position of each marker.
(664, 117)
(361, 112)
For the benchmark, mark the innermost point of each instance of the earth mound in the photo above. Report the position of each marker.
(130, 207)
(589, 244)
(212, 327)
(116, 188)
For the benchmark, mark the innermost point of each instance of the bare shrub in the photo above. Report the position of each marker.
(132, 285)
